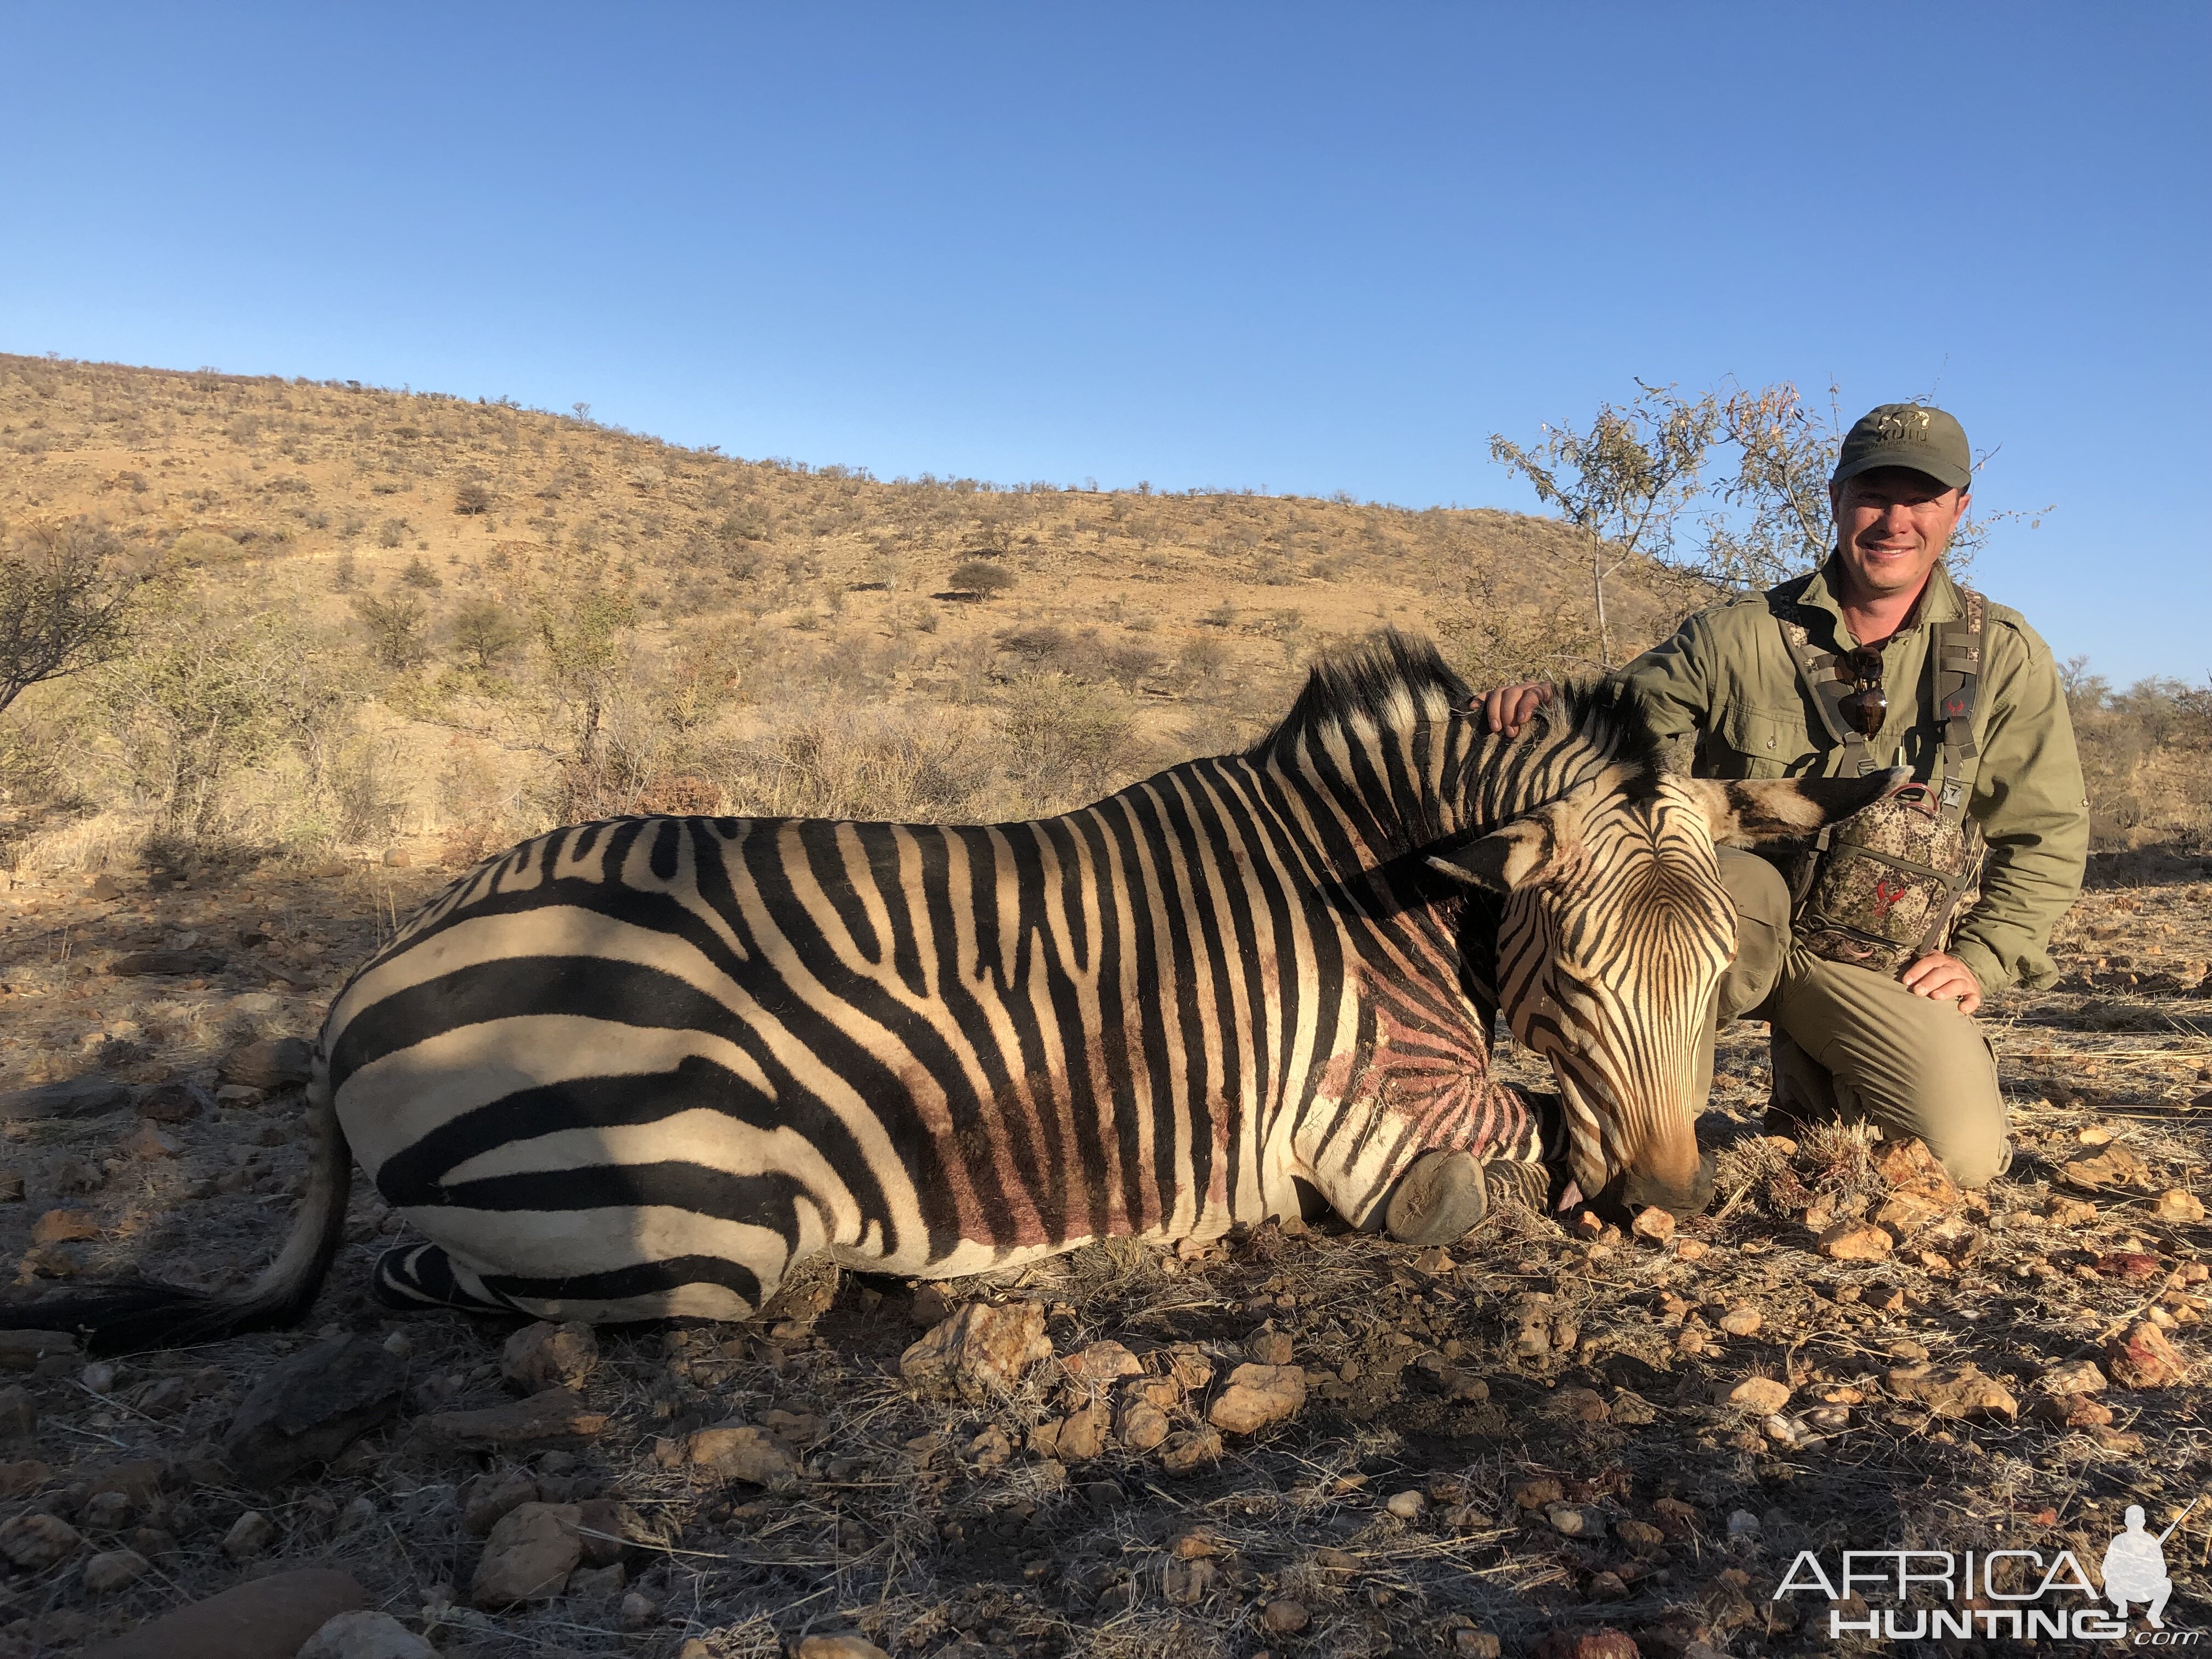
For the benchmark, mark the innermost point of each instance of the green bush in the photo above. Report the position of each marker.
(394, 629)
(981, 577)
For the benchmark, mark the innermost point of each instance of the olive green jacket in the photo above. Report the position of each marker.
(1725, 683)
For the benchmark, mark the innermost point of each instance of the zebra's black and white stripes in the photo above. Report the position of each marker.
(640, 1068)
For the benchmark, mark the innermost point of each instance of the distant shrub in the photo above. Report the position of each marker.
(419, 574)
(472, 498)
(393, 627)
(981, 577)
(1065, 739)
(483, 632)
(344, 573)
(392, 532)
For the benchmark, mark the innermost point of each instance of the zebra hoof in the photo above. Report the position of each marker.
(1437, 1199)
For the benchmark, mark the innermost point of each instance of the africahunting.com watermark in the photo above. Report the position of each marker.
(2020, 1594)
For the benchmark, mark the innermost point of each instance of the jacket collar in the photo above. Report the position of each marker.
(1939, 600)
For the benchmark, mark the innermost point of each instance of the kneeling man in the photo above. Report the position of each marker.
(1870, 953)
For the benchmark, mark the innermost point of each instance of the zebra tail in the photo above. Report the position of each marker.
(127, 1317)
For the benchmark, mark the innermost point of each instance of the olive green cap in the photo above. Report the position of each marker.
(1908, 435)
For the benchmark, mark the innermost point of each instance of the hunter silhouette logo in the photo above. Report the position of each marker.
(2135, 1567)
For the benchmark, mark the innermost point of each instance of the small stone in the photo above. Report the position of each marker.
(20, 1480)
(103, 888)
(547, 1356)
(590, 1583)
(1435, 1260)
(1574, 1520)
(990, 1448)
(1141, 1425)
(979, 1350)
(638, 1611)
(734, 1452)
(2144, 1358)
(1690, 1249)
(2082, 1377)
(2175, 1205)
(555, 1417)
(365, 1634)
(528, 1557)
(1183, 1582)
(250, 1536)
(35, 1542)
(271, 1063)
(1102, 1363)
(1283, 1617)
(1742, 1523)
(607, 1527)
(1470, 1644)
(1191, 1450)
(1405, 1505)
(1955, 1391)
(839, 1647)
(1082, 1435)
(1640, 1536)
(1269, 1347)
(265, 1617)
(112, 1569)
(930, 1306)
(1538, 1493)
(1762, 1396)
(491, 1498)
(1856, 1241)
(397, 858)
(1653, 1225)
(1603, 1642)
(61, 1226)
(1582, 1405)
(2114, 1167)
(311, 1406)
(175, 1102)
(1741, 1320)
(1256, 1396)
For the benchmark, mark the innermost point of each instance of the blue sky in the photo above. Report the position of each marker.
(1304, 248)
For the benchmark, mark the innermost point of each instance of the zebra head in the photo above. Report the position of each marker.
(1614, 935)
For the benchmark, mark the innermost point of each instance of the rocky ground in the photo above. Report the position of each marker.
(1551, 1438)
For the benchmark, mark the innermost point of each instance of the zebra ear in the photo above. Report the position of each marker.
(1746, 814)
(1539, 848)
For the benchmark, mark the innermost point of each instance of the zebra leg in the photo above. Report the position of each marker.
(1437, 1199)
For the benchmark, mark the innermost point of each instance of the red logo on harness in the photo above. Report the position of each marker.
(1885, 895)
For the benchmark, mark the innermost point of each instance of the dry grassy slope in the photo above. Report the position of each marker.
(282, 468)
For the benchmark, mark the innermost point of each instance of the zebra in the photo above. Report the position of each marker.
(638, 1068)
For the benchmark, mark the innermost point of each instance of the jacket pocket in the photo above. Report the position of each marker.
(1762, 742)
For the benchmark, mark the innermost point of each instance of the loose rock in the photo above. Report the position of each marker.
(366, 1635)
(61, 1226)
(1742, 1322)
(1761, 1395)
(736, 1451)
(1141, 1425)
(979, 1350)
(2115, 1166)
(1283, 1617)
(1102, 1363)
(36, 1542)
(1082, 1435)
(1191, 1450)
(264, 1618)
(555, 1417)
(1604, 1643)
(312, 1407)
(2144, 1358)
(1955, 1391)
(2175, 1205)
(1405, 1505)
(114, 1570)
(528, 1557)
(491, 1498)
(1256, 1396)
(2082, 1377)
(547, 1355)
(1654, 1225)
(1856, 1241)
(839, 1647)
(1269, 1347)
(250, 1536)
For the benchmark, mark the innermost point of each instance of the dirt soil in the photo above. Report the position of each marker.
(1520, 1435)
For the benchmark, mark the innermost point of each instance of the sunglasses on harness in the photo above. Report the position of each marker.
(1865, 706)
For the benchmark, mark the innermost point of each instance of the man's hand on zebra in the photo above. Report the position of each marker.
(1509, 708)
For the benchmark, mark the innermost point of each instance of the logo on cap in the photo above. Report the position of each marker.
(1901, 425)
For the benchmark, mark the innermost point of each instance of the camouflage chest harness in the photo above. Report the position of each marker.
(1885, 887)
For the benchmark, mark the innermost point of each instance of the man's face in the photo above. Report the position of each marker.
(1892, 524)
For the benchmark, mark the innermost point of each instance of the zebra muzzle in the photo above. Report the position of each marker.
(1437, 1199)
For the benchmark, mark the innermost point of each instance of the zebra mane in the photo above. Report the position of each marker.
(1388, 683)
(1605, 714)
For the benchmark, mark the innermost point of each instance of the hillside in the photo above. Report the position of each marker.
(493, 618)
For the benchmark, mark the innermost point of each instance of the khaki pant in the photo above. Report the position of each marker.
(1852, 1043)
